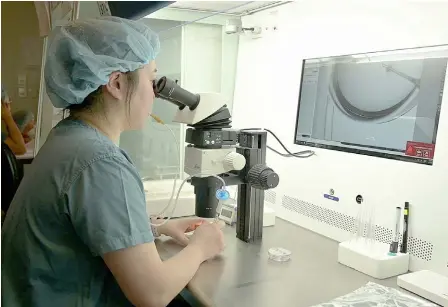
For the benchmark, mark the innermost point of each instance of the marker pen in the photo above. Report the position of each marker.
(404, 245)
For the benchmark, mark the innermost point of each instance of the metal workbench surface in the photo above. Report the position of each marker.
(244, 276)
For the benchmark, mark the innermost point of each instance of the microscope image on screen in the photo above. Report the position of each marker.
(383, 104)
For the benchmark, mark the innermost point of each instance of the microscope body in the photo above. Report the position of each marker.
(214, 148)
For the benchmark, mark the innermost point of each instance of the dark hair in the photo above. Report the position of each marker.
(93, 102)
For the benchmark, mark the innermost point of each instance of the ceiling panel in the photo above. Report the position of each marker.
(230, 7)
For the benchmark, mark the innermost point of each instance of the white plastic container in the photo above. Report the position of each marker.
(372, 258)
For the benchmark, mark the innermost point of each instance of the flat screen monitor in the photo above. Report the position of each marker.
(382, 104)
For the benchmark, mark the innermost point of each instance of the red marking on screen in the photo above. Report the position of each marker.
(420, 150)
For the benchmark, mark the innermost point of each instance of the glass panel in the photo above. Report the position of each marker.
(197, 53)
(21, 72)
(202, 58)
(154, 149)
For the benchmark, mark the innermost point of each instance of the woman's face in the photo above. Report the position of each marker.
(143, 96)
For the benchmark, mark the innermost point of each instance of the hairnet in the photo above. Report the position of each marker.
(82, 55)
(22, 118)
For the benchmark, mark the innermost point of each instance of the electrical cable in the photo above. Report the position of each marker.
(299, 154)
(287, 155)
(158, 120)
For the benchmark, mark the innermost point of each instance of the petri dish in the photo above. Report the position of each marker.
(279, 254)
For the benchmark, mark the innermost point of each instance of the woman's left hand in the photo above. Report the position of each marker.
(176, 228)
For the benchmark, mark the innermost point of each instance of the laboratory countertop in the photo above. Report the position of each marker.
(244, 276)
(29, 155)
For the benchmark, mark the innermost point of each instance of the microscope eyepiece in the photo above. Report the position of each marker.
(169, 90)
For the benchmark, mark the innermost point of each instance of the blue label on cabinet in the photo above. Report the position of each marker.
(331, 197)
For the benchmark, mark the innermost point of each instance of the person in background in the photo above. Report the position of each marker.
(25, 122)
(12, 136)
(77, 232)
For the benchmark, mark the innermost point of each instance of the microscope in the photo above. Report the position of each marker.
(214, 148)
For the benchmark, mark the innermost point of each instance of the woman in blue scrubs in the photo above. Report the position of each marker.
(77, 232)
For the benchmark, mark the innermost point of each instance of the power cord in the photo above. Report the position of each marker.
(299, 154)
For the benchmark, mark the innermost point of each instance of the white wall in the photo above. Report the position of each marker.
(88, 9)
(266, 95)
(209, 60)
(21, 57)
(21, 54)
(202, 45)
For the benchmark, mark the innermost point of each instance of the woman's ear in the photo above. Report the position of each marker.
(117, 85)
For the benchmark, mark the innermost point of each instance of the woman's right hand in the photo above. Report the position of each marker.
(209, 239)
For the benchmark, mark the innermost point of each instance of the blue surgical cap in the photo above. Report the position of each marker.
(82, 55)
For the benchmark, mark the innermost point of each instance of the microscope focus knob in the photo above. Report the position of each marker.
(234, 161)
(262, 177)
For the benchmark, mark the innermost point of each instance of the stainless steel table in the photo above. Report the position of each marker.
(244, 276)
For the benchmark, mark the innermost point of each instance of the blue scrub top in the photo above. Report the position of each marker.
(81, 198)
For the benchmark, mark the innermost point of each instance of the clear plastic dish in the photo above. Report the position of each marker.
(279, 254)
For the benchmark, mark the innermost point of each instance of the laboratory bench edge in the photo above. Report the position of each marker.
(243, 275)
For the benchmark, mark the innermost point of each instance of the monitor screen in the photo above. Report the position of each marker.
(382, 104)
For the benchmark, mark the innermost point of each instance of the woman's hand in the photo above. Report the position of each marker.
(27, 138)
(209, 239)
(6, 110)
(176, 228)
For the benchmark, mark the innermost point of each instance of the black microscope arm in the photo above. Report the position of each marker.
(213, 132)
(252, 181)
